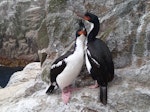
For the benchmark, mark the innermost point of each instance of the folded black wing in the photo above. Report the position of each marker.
(58, 66)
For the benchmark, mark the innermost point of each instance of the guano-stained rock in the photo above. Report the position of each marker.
(26, 92)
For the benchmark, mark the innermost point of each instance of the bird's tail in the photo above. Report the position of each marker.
(103, 94)
(50, 89)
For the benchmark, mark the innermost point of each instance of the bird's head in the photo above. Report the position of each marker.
(81, 30)
(88, 17)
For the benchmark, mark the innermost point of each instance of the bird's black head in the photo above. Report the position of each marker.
(91, 17)
(81, 30)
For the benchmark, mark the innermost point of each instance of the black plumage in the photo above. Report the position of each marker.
(101, 66)
(103, 61)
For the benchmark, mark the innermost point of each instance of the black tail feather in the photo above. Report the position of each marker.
(50, 89)
(103, 94)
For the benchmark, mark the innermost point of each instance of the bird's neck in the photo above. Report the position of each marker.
(80, 43)
(94, 31)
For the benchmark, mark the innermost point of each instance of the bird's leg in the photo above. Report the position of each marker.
(96, 85)
(66, 92)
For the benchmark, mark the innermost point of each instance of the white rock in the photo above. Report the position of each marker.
(26, 93)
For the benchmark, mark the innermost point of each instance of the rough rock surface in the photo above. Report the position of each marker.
(19, 22)
(31, 25)
(26, 93)
(124, 27)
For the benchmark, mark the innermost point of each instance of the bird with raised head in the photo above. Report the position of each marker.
(99, 60)
(68, 66)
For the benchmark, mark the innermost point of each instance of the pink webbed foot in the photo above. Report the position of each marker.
(66, 93)
(66, 96)
(94, 86)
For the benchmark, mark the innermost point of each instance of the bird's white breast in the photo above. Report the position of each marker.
(73, 67)
(71, 71)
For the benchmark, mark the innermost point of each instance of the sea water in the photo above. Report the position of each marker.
(5, 74)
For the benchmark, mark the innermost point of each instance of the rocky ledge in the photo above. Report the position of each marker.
(9, 62)
(26, 93)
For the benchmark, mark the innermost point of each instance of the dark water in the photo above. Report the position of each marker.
(5, 74)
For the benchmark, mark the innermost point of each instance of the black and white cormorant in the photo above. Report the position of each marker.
(99, 61)
(68, 66)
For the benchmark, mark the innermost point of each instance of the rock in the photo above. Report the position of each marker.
(123, 28)
(42, 36)
(86, 109)
(18, 28)
(26, 92)
(29, 26)
(122, 25)
(15, 62)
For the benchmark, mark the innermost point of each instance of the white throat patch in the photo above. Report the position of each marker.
(89, 28)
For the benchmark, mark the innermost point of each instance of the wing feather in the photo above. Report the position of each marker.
(58, 66)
